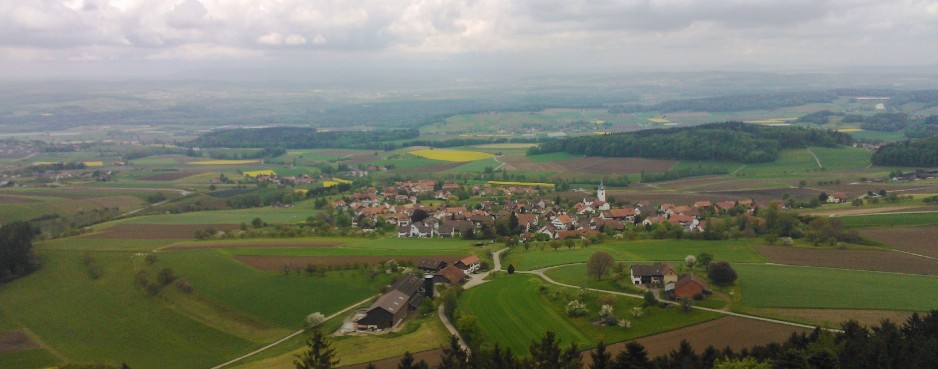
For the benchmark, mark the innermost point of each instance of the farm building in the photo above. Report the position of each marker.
(657, 274)
(688, 286)
(431, 265)
(469, 264)
(450, 274)
(392, 307)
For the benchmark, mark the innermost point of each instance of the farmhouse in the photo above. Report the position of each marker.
(688, 286)
(392, 307)
(469, 264)
(657, 274)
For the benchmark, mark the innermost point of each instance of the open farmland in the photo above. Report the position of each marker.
(232, 245)
(156, 231)
(813, 287)
(590, 165)
(224, 162)
(878, 260)
(451, 155)
(890, 220)
(523, 314)
(641, 250)
(170, 176)
(278, 263)
(733, 332)
(918, 240)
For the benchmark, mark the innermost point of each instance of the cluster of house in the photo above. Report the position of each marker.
(663, 275)
(408, 292)
(535, 216)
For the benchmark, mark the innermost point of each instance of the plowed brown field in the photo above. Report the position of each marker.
(919, 240)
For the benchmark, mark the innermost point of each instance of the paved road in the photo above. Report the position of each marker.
(294, 334)
(478, 279)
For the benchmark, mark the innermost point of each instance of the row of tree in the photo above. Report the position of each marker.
(912, 345)
(730, 141)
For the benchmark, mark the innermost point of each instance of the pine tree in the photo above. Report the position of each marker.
(319, 354)
(601, 358)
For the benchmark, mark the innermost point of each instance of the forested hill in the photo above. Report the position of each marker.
(914, 153)
(301, 138)
(730, 141)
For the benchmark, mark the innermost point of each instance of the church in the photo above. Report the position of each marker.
(594, 205)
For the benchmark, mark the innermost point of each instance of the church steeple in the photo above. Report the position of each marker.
(601, 192)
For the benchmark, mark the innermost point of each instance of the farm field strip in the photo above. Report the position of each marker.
(873, 260)
(918, 240)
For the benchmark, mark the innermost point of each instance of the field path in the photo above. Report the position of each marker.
(815, 158)
(540, 273)
(452, 330)
(294, 334)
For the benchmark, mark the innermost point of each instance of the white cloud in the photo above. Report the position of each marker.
(637, 32)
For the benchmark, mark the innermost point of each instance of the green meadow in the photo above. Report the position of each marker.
(812, 287)
(640, 250)
(511, 311)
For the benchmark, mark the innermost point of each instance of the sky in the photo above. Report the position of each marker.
(160, 38)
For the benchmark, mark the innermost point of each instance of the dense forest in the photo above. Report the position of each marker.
(910, 153)
(301, 138)
(730, 141)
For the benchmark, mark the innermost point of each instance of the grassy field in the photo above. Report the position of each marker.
(576, 275)
(889, 220)
(650, 250)
(476, 166)
(844, 158)
(109, 318)
(810, 287)
(217, 276)
(269, 214)
(28, 359)
(522, 314)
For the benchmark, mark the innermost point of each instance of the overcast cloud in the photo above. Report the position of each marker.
(55, 37)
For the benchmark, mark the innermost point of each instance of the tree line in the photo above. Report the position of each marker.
(300, 138)
(909, 153)
(730, 141)
(911, 345)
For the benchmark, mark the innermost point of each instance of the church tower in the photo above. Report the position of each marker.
(601, 192)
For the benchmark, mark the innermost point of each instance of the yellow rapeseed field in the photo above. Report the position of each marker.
(771, 120)
(848, 130)
(223, 162)
(335, 182)
(256, 173)
(658, 120)
(452, 155)
(93, 163)
(529, 184)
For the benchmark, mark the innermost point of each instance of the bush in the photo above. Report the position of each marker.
(166, 276)
(183, 286)
(314, 320)
(576, 308)
(722, 273)
(650, 299)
